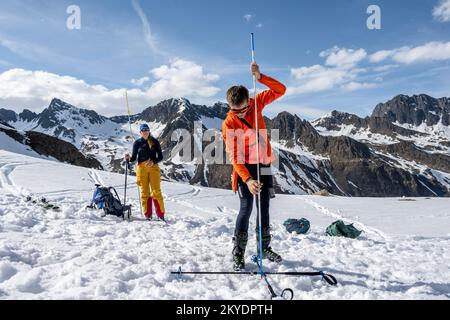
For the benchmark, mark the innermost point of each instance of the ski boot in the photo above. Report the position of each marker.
(267, 252)
(238, 262)
(240, 243)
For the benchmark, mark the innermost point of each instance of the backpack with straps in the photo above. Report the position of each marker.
(340, 229)
(299, 226)
(106, 198)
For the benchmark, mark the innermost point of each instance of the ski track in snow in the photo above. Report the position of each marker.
(178, 198)
(95, 177)
(75, 254)
(5, 181)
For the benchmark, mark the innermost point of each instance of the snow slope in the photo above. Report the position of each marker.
(9, 144)
(404, 252)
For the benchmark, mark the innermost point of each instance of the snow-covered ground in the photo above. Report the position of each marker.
(404, 252)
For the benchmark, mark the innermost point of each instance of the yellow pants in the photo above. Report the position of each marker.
(149, 181)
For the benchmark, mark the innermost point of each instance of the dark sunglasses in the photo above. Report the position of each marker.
(145, 130)
(241, 110)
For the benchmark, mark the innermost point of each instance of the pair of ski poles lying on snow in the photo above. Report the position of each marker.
(287, 293)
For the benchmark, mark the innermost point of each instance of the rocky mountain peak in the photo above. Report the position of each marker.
(60, 113)
(181, 110)
(415, 110)
(7, 115)
(165, 111)
(27, 115)
(333, 120)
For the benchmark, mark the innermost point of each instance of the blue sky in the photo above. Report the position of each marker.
(322, 50)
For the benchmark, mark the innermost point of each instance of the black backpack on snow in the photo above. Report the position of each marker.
(106, 198)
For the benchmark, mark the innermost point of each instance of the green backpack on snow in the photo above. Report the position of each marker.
(340, 229)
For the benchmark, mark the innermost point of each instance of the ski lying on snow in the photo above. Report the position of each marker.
(43, 203)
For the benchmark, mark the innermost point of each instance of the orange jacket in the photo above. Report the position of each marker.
(232, 122)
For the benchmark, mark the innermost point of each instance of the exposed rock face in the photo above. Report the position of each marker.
(214, 175)
(7, 115)
(6, 124)
(415, 110)
(49, 118)
(407, 150)
(49, 146)
(374, 123)
(406, 157)
(355, 168)
(125, 119)
(27, 115)
(64, 119)
(59, 149)
(334, 120)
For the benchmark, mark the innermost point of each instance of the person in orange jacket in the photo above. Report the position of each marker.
(238, 130)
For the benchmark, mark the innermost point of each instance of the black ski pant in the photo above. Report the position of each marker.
(247, 198)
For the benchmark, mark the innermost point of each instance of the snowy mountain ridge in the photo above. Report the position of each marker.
(388, 153)
(420, 118)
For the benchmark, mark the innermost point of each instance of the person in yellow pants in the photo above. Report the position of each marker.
(147, 152)
(149, 181)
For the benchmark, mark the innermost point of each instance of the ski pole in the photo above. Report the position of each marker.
(287, 293)
(126, 180)
(330, 279)
(131, 131)
(257, 197)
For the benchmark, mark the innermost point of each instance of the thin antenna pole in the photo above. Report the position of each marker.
(131, 131)
(257, 197)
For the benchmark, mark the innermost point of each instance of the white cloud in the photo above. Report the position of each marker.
(442, 11)
(182, 78)
(353, 86)
(341, 57)
(318, 78)
(432, 51)
(259, 25)
(380, 56)
(139, 82)
(34, 89)
(149, 37)
(341, 69)
(386, 67)
(341, 73)
(248, 16)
